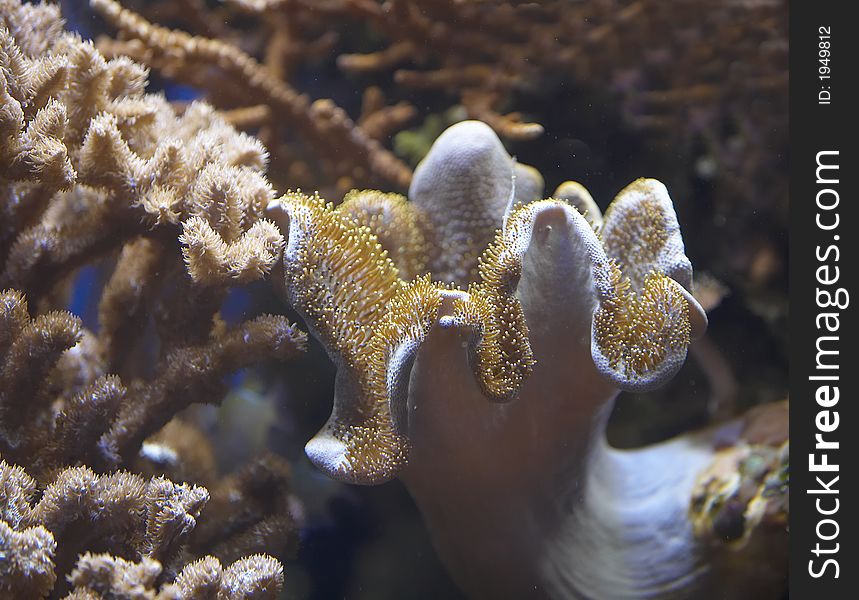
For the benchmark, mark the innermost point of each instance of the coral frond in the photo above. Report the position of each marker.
(463, 185)
(578, 196)
(372, 323)
(500, 350)
(637, 230)
(641, 233)
(337, 274)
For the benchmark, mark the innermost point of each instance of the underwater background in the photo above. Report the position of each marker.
(692, 93)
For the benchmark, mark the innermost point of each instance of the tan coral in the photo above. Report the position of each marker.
(27, 570)
(256, 576)
(112, 135)
(250, 511)
(30, 352)
(32, 123)
(320, 121)
(148, 521)
(88, 173)
(211, 260)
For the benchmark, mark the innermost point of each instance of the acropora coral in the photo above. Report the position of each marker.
(480, 331)
(88, 504)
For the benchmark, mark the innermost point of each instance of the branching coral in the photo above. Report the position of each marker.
(93, 168)
(321, 124)
(481, 51)
(144, 523)
(249, 510)
(522, 494)
(205, 169)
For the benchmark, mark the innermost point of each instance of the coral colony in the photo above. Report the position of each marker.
(489, 396)
(480, 334)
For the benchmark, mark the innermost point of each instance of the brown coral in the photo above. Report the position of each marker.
(87, 174)
(321, 123)
(145, 525)
(27, 570)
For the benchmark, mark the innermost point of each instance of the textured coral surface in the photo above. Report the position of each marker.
(92, 505)
(146, 366)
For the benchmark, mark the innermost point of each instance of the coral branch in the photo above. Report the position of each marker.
(213, 261)
(86, 417)
(250, 510)
(320, 122)
(109, 576)
(146, 522)
(123, 301)
(89, 164)
(193, 375)
(27, 570)
(29, 359)
(16, 492)
(253, 577)
(42, 253)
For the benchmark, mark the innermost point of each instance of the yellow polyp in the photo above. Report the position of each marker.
(501, 353)
(638, 242)
(342, 278)
(399, 225)
(373, 447)
(348, 288)
(637, 331)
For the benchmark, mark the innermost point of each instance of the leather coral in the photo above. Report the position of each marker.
(486, 383)
(546, 264)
